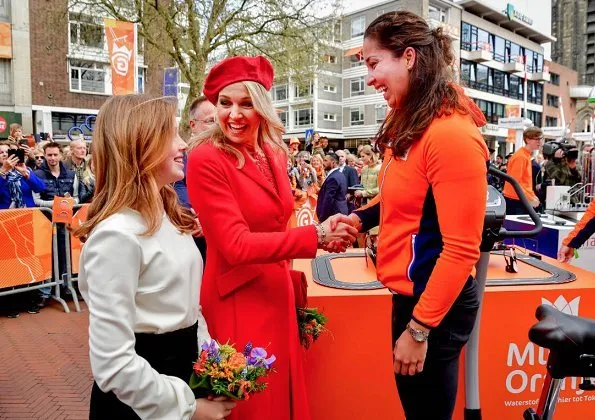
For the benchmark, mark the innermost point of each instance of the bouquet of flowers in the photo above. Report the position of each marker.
(223, 371)
(310, 325)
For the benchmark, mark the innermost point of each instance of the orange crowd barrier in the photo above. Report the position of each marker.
(26, 238)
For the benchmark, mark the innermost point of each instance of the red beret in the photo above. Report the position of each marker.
(238, 69)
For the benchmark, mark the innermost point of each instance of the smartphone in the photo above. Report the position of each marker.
(24, 142)
(20, 153)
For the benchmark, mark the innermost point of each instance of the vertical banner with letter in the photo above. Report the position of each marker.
(5, 40)
(121, 44)
(511, 111)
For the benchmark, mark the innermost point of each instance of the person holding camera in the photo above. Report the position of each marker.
(17, 182)
(561, 167)
(305, 174)
(520, 168)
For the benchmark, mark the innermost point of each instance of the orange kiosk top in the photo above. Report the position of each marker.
(349, 370)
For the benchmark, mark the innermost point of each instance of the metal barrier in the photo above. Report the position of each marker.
(29, 257)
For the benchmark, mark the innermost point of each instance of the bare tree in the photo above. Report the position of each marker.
(194, 33)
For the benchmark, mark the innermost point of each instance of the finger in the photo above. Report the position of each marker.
(229, 405)
(397, 366)
(404, 368)
(420, 367)
(220, 399)
(412, 369)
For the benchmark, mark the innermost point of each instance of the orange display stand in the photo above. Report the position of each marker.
(349, 370)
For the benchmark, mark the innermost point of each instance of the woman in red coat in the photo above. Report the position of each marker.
(237, 184)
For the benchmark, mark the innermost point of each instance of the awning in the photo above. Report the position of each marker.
(353, 51)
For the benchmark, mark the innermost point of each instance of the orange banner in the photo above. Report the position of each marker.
(5, 40)
(121, 46)
(26, 238)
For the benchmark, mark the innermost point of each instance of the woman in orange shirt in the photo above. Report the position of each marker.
(430, 207)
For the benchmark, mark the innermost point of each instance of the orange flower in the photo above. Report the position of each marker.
(199, 365)
(237, 361)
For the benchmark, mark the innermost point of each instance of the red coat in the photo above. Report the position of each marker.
(247, 294)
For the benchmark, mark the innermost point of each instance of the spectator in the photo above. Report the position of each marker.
(347, 171)
(76, 161)
(17, 182)
(319, 144)
(87, 182)
(370, 172)
(351, 161)
(331, 198)
(519, 167)
(16, 133)
(294, 146)
(59, 182)
(313, 142)
(305, 174)
(318, 165)
(202, 117)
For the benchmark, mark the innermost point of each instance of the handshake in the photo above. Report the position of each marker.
(340, 232)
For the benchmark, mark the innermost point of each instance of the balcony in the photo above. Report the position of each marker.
(539, 76)
(479, 56)
(513, 67)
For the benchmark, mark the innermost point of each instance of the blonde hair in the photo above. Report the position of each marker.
(367, 150)
(132, 135)
(270, 131)
(317, 157)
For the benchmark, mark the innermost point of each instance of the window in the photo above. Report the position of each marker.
(552, 100)
(358, 26)
(380, 113)
(303, 91)
(438, 13)
(551, 122)
(141, 79)
(555, 79)
(499, 48)
(535, 117)
(357, 86)
(87, 76)
(491, 110)
(280, 93)
(356, 116)
(327, 116)
(466, 36)
(62, 122)
(330, 88)
(283, 117)
(5, 81)
(356, 60)
(303, 117)
(331, 59)
(4, 10)
(85, 31)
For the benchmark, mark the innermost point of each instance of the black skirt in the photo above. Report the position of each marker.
(171, 354)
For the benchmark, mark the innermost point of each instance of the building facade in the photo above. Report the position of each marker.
(337, 103)
(502, 64)
(559, 109)
(15, 66)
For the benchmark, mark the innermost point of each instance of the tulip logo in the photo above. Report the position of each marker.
(561, 304)
(121, 57)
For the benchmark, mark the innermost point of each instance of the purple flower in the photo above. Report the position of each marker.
(247, 349)
(258, 358)
(212, 349)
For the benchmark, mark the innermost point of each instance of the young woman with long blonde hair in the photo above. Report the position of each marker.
(140, 272)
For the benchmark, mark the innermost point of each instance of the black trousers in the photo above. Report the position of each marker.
(431, 394)
(514, 206)
(170, 354)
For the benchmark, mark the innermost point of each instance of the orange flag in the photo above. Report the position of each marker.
(121, 46)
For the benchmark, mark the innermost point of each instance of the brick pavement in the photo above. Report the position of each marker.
(44, 365)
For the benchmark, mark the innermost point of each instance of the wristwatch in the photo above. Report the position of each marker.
(419, 336)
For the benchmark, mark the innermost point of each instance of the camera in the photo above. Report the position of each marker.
(550, 149)
(20, 153)
(43, 136)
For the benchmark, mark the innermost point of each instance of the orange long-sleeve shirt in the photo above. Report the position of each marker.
(431, 208)
(519, 167)
(583, 229)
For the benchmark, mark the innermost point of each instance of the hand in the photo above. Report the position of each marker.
(197, 232)
(335, 246)
(28, 151)
(408, 355)
(342, 232)
(359, 193)
(216, 409)
(353, 219)
(559, 154)
(565, 254)
(10, 163)
(534, 202)
(23, 170)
